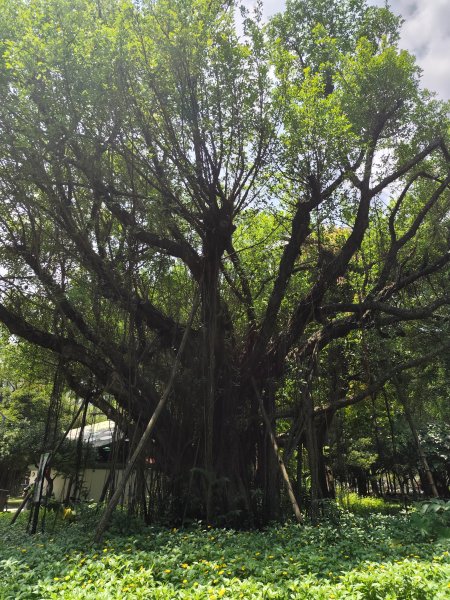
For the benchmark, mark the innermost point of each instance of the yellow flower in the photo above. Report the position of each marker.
(184, 580)
(55, 578)
(185, 566)
(167, 570)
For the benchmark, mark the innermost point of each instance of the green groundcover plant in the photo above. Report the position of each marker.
(375, 557)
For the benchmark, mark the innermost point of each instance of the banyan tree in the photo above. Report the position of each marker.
(289, 178)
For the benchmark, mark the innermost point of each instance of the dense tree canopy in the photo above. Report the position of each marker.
(294, 173)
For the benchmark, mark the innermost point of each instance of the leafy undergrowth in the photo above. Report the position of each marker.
(368, 505)
(371, 557)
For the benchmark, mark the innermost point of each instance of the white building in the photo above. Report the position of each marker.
(101, 436)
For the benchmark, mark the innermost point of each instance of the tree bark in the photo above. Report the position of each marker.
(104, 521)
(421, 454)
(277, 454)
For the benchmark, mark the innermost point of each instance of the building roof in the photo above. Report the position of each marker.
(97, 434)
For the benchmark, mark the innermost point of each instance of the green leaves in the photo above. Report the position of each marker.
(362, 557)
(377, 89)
(318, 136)
(432, 518)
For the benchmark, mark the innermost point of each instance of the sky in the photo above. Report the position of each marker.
(425, 33)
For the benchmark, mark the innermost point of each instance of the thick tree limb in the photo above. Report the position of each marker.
(380, 383)
(299, 232)
(72, 350)
(179, 249)
(406, 167)
(405, 314)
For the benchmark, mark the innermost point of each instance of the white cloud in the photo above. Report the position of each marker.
(425, 33)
